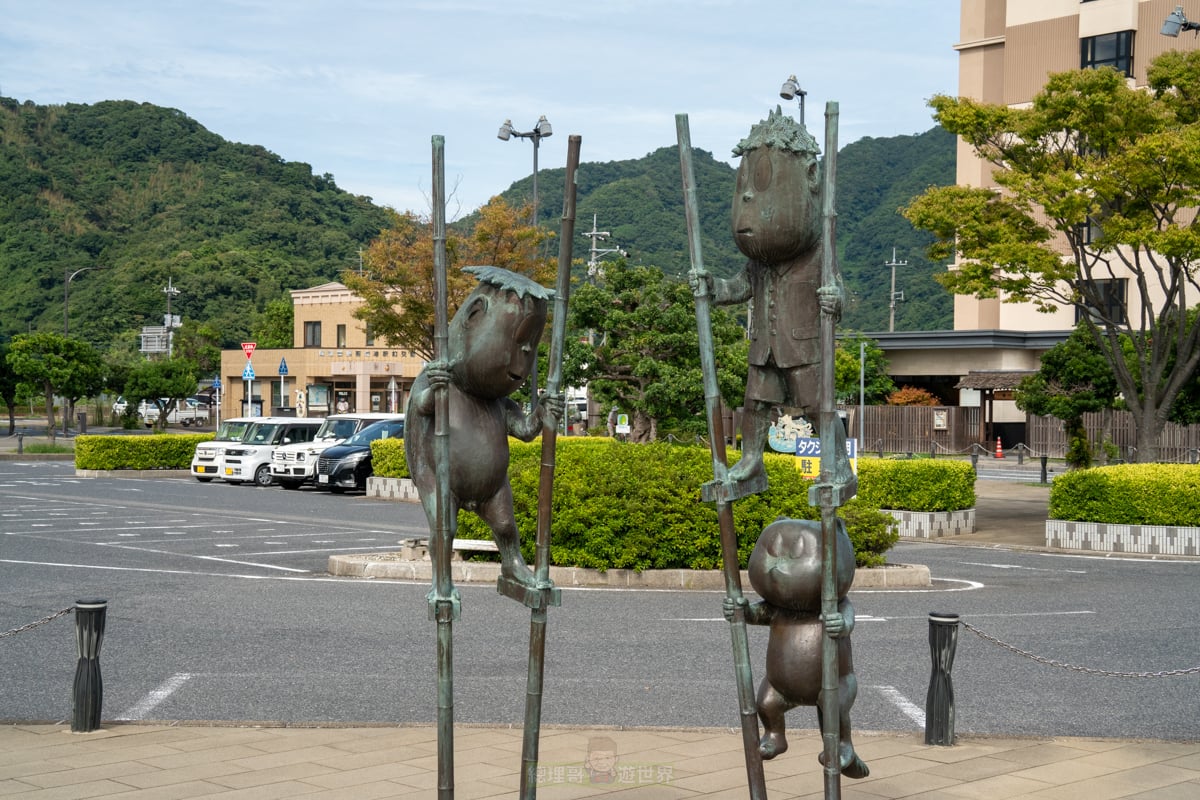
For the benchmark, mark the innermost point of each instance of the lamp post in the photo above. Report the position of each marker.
(67, 278)
(539, 132)
(790, 90)
(1176, 22)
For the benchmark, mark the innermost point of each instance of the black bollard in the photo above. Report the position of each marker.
(1044, 459)
(20, 443)
(1021, 455)
(975, 461)
(939, 702)
(933, 449)
(88, 694)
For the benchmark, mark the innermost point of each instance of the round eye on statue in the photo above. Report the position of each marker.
(762, 172)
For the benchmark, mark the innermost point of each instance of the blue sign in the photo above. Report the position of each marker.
(808, 455)
(216, 384)
(283, 366)
(248, 372)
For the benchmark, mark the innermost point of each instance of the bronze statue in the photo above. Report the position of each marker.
(492, 350)
(785, 569)
(777, 223)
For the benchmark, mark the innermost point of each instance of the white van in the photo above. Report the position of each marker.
(293, 465)
(250, 459)
(208, 460)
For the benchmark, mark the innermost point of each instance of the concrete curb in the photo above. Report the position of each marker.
(391, 567)
(133, 473)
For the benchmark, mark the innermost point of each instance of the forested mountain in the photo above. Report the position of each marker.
(150, 196)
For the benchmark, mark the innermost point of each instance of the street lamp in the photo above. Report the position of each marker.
(539, 132)
(790, 90)
(67, 278)
(1177, 22)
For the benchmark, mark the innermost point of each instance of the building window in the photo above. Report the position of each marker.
(312, 334)
(369, 332)
(1105, 301)
(1088, 232)
(1108, 50)
(341, 336)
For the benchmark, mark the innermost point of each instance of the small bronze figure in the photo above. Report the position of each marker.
(785, 569)
(492, 350)
(777, 223)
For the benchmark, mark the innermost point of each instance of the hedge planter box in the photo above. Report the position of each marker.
(1101, 537)
(392, 489)
(933, 524)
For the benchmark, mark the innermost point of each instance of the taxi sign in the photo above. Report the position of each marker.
(808, 455)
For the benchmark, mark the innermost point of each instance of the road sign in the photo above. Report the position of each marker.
(808, 456)
(248, 348)
(248, 372)
(216, 384)
(283, 367)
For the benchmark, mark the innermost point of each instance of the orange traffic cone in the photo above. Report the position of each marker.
(999, 449)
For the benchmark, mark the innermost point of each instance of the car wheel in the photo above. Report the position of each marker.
(204, 480)
(262, 475)
(336, 489)
(290, 484)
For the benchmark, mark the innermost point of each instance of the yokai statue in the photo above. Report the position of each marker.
(785, 569)
(777, 224)
(492, 349)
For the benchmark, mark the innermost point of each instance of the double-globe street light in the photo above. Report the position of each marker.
(67, 278)
(539, 132)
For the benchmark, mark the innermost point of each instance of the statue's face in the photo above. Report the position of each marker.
(785, 565)
(494, 340)
(776, 214)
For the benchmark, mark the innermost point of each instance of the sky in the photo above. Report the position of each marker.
(358, 88)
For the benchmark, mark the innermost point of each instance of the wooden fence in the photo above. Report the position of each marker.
(1178, 443)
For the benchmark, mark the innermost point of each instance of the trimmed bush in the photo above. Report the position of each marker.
(158, 451)
(622, 506)
(387, 458)
(1129, 494)
(916, 484)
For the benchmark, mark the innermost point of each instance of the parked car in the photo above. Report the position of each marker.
(293, 465)
(186, 412)
(208, 461)
(119, 405)
(250, 459)
(348, 465)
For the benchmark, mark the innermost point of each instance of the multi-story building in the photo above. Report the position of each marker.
(1007, 49)
(335, 364)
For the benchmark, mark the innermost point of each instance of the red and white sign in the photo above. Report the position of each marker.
(248, 348)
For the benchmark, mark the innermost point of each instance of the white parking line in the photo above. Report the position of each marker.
(906, 706)
(156, 697)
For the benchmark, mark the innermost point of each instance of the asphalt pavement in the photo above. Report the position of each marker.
(267, 760)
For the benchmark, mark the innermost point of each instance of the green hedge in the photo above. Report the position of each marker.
(157, 451)
(916, 484)
(387, 458)
(1129, 494)
(623, 506)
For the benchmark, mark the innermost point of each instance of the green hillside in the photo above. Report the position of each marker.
(151, 196)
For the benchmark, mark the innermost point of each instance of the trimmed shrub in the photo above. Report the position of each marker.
(387, 458)
(916, 484)
(1129, 494)
(157, 451)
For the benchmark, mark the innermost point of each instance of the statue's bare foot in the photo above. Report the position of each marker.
(849, 763)
(518, 571)
(772, 745)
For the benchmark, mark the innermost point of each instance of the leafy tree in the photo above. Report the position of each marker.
(1074, 379)
(200, 343)
(912, 396)
(55, 364)
(876, 383)
(397, 285)
(8, 388)
(644, 354)
(162, 383)
(1112, 172)
(275, 326)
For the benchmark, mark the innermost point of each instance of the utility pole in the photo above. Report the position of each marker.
(894, 295)
(598, 236)
(170, 291)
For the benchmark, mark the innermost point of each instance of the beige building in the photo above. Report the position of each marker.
(1007, 48)
(335, 365)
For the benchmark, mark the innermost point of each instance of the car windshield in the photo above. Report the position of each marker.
(380, 430)
(264, 433)
(232, 431)
(337, 428)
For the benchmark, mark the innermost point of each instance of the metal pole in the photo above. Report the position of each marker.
(862, 393)
(536, 141)
(444, 604)
(88, 689)
(546, 595)
(825, 494)
(747, 705)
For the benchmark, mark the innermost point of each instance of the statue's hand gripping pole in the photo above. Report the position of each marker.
(747, 706)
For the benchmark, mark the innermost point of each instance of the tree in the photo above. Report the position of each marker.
(162, 383)
(913, 396)
(8, 388)
(200, 343)
(876, 383)
(645, 350)
(1114, 174)
(55, 364)
(397, 285)
(274, 327)
(1074, 379)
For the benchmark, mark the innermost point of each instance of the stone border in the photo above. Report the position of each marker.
(395, 567)
(401, 489)
(933, 524)
(1165, 540)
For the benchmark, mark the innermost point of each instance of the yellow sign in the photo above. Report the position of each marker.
(808, 456)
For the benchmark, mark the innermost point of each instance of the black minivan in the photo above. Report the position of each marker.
(348, 465)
